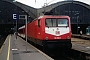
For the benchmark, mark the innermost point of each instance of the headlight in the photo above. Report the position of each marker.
(68, 37)
(46, 38)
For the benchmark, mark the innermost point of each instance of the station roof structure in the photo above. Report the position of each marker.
(47, 10)
(79, 12)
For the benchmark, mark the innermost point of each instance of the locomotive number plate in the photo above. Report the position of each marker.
(57, 32)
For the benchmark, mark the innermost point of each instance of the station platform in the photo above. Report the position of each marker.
(81, 45)
(15, 49)
(83, 36)
(81, 48)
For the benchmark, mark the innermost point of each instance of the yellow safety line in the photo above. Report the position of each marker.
(8, 56)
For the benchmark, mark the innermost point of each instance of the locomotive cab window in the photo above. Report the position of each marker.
(62, 22)
(38, 23)
(50, 22)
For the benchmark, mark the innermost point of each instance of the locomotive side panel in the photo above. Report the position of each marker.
(31, 31)
(35, 31)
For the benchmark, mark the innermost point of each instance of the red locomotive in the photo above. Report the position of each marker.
(49, 31)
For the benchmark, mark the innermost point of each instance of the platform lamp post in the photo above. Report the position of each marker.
(24, 17)
(77, 14)
(16, 20)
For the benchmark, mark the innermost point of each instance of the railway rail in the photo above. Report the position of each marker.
(80, 41)
(86, 37)
(71, 54)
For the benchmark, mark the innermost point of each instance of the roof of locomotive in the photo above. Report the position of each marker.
(53, 16)
(48, 16)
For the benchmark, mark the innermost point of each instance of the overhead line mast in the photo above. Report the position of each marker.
(35, 1)
(47, 3)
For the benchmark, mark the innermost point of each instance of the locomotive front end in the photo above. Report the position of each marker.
(58, 32)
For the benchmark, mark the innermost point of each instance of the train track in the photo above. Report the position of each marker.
(86, 37)
(71, 54)
(80, 41)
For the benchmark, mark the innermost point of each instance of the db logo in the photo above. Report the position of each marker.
(57, 32)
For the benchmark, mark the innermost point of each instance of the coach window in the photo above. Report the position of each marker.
(38, 23)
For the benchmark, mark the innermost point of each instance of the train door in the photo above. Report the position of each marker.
(39, 29)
